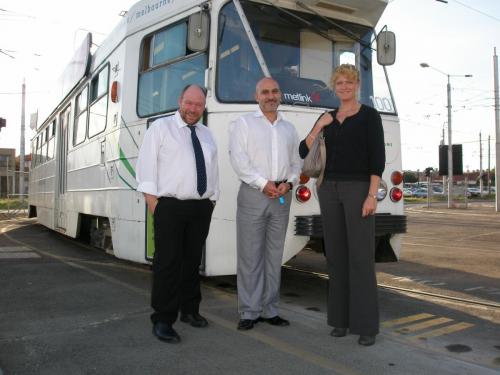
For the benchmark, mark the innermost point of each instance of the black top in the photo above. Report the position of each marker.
(355, 149)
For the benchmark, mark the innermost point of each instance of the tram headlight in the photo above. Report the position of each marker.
(382, 190)
(302, 194)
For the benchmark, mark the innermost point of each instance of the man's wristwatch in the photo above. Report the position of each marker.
(291, 185)
(374, 196)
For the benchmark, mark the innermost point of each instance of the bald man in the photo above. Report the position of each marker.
(178, 174)
(263, 150)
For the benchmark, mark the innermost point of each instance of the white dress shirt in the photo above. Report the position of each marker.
(261, 151)
(166, 166)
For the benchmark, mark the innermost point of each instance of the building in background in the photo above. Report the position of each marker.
(7, 166)
(9, 172)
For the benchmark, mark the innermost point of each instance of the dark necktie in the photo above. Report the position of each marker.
(201, 174)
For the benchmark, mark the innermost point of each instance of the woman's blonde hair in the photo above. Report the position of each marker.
(347, 70)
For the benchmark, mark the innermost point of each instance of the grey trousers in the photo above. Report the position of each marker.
(261, 229)
(350, 253)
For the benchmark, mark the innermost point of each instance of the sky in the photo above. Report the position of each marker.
(457, 38)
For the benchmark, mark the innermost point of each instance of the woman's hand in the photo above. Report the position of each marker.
(369, 206)
(325, 120)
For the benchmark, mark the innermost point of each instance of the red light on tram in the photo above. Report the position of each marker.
(114, 92)
(303, 194)
(396, 194)
(396, 177)
(304, 179)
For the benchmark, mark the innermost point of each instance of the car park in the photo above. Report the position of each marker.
(473, 192)
(420, 193)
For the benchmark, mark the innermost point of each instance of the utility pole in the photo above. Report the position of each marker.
(489, 165)
(480, 165)
(450, 142)
(21, 156)
(497, 131)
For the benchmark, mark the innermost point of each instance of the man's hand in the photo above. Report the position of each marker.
(283, 188)
(151, 201)
(270, 190)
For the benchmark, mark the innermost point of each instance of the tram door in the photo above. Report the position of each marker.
(62, 152)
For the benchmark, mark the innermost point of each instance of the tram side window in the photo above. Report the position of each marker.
(80, 123)
(32, 164)
(51, 140)
(43, 150)
(39, 149)
(35, 152)
(98, 102)
(167, 66)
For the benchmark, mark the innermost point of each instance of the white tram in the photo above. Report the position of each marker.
(82, 180)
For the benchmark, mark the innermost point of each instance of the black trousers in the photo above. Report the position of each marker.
(181, 228)
(350, 253)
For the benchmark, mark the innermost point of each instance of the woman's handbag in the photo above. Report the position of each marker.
(314, 162)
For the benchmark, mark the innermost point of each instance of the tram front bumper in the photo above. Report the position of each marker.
(386, 225)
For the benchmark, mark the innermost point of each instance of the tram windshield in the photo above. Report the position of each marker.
(299, 50)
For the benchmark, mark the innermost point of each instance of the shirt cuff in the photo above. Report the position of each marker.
(148, 188)
(260, 183)
(293, 179)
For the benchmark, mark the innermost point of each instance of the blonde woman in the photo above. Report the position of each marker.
(355, 149)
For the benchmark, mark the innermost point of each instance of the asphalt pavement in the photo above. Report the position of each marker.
(66, 308)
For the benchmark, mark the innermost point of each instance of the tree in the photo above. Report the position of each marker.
(410, 177)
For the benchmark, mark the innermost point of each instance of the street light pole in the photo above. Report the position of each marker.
(450, 143)
(450, 148)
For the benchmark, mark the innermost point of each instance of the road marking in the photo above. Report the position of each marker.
(20, 255)
(285, 347)
(471, 249)
(423, 325)
(10, 249)
(408, 319)
(280, 345)
(442, 331)
(474, 288)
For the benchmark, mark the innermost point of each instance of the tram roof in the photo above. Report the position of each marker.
(149, 12)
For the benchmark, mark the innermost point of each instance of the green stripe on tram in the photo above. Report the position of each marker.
(125, 162)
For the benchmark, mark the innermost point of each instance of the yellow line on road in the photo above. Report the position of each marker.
(285, 347)
(423, 325)
(443, 331)
(408, 319)
(277, 344)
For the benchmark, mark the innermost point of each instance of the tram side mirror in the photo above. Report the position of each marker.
(386, 48)
(198, 31)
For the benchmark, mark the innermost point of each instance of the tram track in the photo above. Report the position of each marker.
(453, 222)
(467, 301)
(324, 276)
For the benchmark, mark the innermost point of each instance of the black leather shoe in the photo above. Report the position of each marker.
(366, 340)
(166, 333)
(246, 324)
(195, 319)
(276, 321)
(338, 332)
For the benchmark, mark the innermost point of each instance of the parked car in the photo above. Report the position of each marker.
(407, 192)
(473, 192)
(437, 190)
(420, 193)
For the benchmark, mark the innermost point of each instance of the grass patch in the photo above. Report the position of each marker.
(13, 204)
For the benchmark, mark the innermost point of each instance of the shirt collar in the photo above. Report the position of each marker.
(259, 113)
(180, 122)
